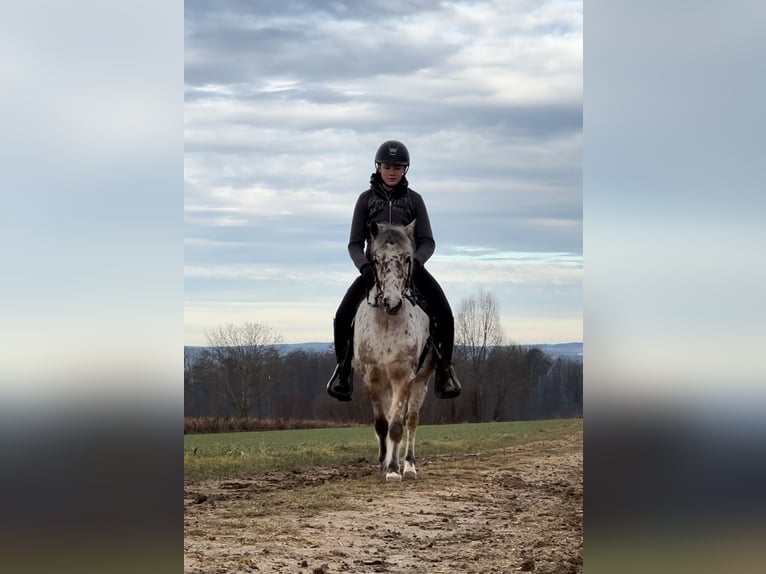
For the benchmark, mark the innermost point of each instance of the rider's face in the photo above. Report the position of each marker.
(391, 174)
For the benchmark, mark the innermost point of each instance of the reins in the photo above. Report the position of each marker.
(407, 292)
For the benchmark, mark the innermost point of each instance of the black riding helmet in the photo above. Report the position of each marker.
(392, 152)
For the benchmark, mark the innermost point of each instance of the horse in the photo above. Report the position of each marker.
(392, 349)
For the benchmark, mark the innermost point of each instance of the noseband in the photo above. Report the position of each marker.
(406, 292)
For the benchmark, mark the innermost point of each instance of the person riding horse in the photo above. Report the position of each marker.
(390, 200)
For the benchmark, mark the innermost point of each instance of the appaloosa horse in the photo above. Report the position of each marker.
(392, 349)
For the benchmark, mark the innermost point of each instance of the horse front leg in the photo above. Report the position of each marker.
(395, 432)
(381, 430)
(413, 417)
(380, 403)
(409, 456)
(394, 439)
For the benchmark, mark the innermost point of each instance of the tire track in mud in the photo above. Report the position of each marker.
(517, 509)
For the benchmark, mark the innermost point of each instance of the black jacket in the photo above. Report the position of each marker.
(399, 207)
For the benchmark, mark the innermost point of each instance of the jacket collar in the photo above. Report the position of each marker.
(376, 184)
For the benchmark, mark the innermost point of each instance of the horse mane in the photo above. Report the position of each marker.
(393, 235)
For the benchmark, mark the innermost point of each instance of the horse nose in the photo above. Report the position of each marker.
(392, 304)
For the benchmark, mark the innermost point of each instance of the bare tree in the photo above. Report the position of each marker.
(478, 330)
(559, 391)
(204, 394)
(505, 368)
(246, 355)
(189, 381)
(518, 375)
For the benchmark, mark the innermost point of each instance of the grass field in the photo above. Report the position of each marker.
(223, 456)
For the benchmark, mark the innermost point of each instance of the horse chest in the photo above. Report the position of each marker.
(386, 339)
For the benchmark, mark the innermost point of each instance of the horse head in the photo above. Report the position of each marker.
(392, 248)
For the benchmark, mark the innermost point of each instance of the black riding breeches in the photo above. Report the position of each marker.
(442, 321)
(344, 316)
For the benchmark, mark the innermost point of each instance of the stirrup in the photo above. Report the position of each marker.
(450, 387)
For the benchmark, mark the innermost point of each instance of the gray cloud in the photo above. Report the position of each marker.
(241, 42)
(286, 102)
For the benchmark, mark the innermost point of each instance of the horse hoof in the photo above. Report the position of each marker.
(393, 477)
(409, 470)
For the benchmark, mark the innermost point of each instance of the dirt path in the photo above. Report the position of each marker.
(513, 510)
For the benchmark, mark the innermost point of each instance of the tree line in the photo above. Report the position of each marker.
(243, 374)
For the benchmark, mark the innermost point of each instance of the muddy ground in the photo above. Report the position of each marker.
(517, 509)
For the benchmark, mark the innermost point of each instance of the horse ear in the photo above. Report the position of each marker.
(410, 229)
(374, 229)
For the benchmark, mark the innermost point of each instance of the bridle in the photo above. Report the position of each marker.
(406, 289)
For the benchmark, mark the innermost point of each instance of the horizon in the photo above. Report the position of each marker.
(330, 343)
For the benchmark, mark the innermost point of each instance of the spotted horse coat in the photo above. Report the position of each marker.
(392, 349)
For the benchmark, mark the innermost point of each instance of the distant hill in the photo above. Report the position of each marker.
(284, 349)
(571, 351)
(306, 347)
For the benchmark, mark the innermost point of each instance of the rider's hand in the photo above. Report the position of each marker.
(416, 265)
(368, 274)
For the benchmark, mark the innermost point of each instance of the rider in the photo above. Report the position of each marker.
(390, 200)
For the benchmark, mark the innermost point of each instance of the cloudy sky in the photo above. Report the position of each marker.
(285, 105)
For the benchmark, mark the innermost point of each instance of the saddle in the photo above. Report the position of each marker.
(416, 298)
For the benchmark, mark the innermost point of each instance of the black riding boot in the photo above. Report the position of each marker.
(341, 383)
(446, 384)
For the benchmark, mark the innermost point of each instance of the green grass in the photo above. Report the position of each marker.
(236, 455)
